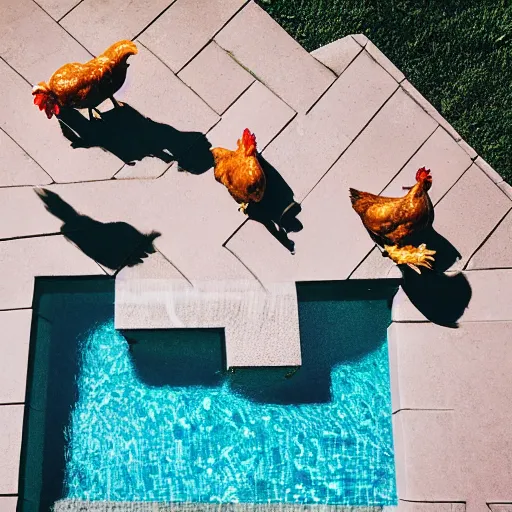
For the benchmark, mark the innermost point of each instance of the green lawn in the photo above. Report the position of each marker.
(457, 53)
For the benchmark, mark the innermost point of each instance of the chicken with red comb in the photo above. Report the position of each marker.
(240, 171)
(391, 221)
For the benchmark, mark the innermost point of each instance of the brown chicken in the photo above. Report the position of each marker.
(392, 221)
(240, 171)
(86, 85)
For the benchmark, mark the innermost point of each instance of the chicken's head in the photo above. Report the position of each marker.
(423, 175)
(46, 100)
(248, 142)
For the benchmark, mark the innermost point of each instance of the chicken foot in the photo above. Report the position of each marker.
(243, 208)
(116, 103)
(414, 257)
(92, 116)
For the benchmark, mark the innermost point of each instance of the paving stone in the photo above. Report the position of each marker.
(277, 60)
(8, 503)
(385, 145)
(16, 167)
(491, 173)
(338, 55)
(495, 253)
(110, 21)
(418, 506)
(443, 156)
(309, 145)
(26, 213)
(500, 507)
(42, 138)
(186, 28)
(506, 189)
(258, 109)
(58, 8)
(436, 366)
(384, 62)
(429, 108)
(376, 266)
(428, 454)
(468, 149)
(33, 44)
(15, 328)
(11, 425)
(21, 260)
(491, 297)
(360, 39)
(469, 212)
(216, 77)
(158, 94)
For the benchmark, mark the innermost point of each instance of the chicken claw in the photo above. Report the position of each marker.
(243, 208)
(414, 257)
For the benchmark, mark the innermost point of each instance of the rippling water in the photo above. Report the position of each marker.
(243, 437)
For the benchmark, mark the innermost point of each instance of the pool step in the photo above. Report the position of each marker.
(261, 325)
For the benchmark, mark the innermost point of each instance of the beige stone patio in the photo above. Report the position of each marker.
(341, 117)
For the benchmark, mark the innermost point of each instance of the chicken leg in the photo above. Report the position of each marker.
(414, 257)
(116, 103)
(92, 116)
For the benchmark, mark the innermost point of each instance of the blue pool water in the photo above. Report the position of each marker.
(133, 440)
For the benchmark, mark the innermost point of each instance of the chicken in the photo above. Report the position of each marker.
(392, 221)
(86, 85)
(240, 171)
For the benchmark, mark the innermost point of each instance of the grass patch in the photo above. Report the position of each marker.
(457, 53)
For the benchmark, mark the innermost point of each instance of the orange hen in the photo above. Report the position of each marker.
(86, 85)
(393, 220)
(240, 171)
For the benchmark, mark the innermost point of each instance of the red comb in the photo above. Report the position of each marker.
(422, 174)
(248, 139)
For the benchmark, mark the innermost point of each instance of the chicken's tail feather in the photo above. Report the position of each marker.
(355, 195)
(121, 50)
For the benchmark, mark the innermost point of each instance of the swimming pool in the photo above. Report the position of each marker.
(161, 420)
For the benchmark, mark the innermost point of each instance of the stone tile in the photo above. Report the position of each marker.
(15, 328)
(21, 260)
(376, 266)
(187, 27)
(34, 44)
(338, 55)
(58, 8)
(11, 425)
(287, 69)
(491, 173)
(8, 503)
(376, 54)
(16, 167)
(429, 108)
(468, 149)
(429, 440)
(385, 145)
(27, 214)
(42, 138)
(495, 253)
(437, 368)
(258, 109)
(216, 77)
(360, 39)
(506, 189)
(500, 507)
(491, 296)
(157, 93)
(418, 506)
(309, 146)
(443, 156)
(469, 212)
(110, 21)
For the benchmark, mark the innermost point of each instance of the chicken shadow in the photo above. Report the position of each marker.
(277, 210)
(131, 136)
(112, 244)
(441, 298)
